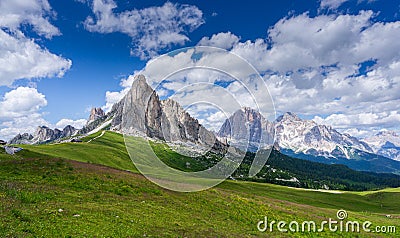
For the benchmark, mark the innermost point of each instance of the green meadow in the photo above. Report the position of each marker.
(93, 190)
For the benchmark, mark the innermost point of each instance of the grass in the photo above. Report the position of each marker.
(101, 199)
(108, 150)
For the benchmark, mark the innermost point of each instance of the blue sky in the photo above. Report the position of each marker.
(60, 58)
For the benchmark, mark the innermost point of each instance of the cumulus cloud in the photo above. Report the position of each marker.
(224, 40)
(313, 66)
(20, 125)
(20, 111)
(151, 29)
(75, 123)
(20, 102)
(21, 57)
(301, 42)
(13, 13)
(332, 4)
(387, 120)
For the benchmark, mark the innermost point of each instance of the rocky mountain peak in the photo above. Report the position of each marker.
(95, 113)
(290, 132)
(68, 131)
(385, 143)
(248, 126)
(21, 139)
(251, 114)
(44, 134)
(142, 113)
(288, 116)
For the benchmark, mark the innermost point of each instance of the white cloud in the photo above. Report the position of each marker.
(75, 123)
(20, 125)
(366, 120)
(20, 102)
(332, 4)
(21, 57)
(301, 42)
(216, 120)
(151, 29)
(312, 66)
(224, 40)
(20, 111)
(335, 4)
(13, 13)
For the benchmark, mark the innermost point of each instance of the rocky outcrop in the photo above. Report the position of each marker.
(116, 115)
(385, 143)
(248, 126)
(21, 139)
(178, 125)
(68, 131)
(141, 112)
(308, 137)
(291, 132)
(95, 114)
(44, 134)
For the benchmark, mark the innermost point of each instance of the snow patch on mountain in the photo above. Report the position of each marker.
(385, 143)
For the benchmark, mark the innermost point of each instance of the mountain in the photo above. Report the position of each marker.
(44, 134)
(291, 132)
(25, 138)
(385, 143)
(95, 113)
(141, 112)
(248, 125)
(306, 136)
(305, 139)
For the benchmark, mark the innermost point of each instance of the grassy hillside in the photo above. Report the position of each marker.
(109, 149)
(52, 190)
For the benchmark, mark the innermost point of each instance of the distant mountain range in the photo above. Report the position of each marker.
(306, 139)
(385, 143)
(142, 113)
(139, 113)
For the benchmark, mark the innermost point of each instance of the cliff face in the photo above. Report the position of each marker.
(95, 114)
(139, 113)
(21, 139)
(248, 126)
(43, 134)
(142, 112)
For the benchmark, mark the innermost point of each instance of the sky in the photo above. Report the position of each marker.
(334, 61)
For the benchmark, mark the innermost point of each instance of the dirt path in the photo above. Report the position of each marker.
(97, 137)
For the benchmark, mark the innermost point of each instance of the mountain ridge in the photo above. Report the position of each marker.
(305, 139)
(141, 112)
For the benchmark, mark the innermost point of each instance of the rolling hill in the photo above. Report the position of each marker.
(85, 190)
